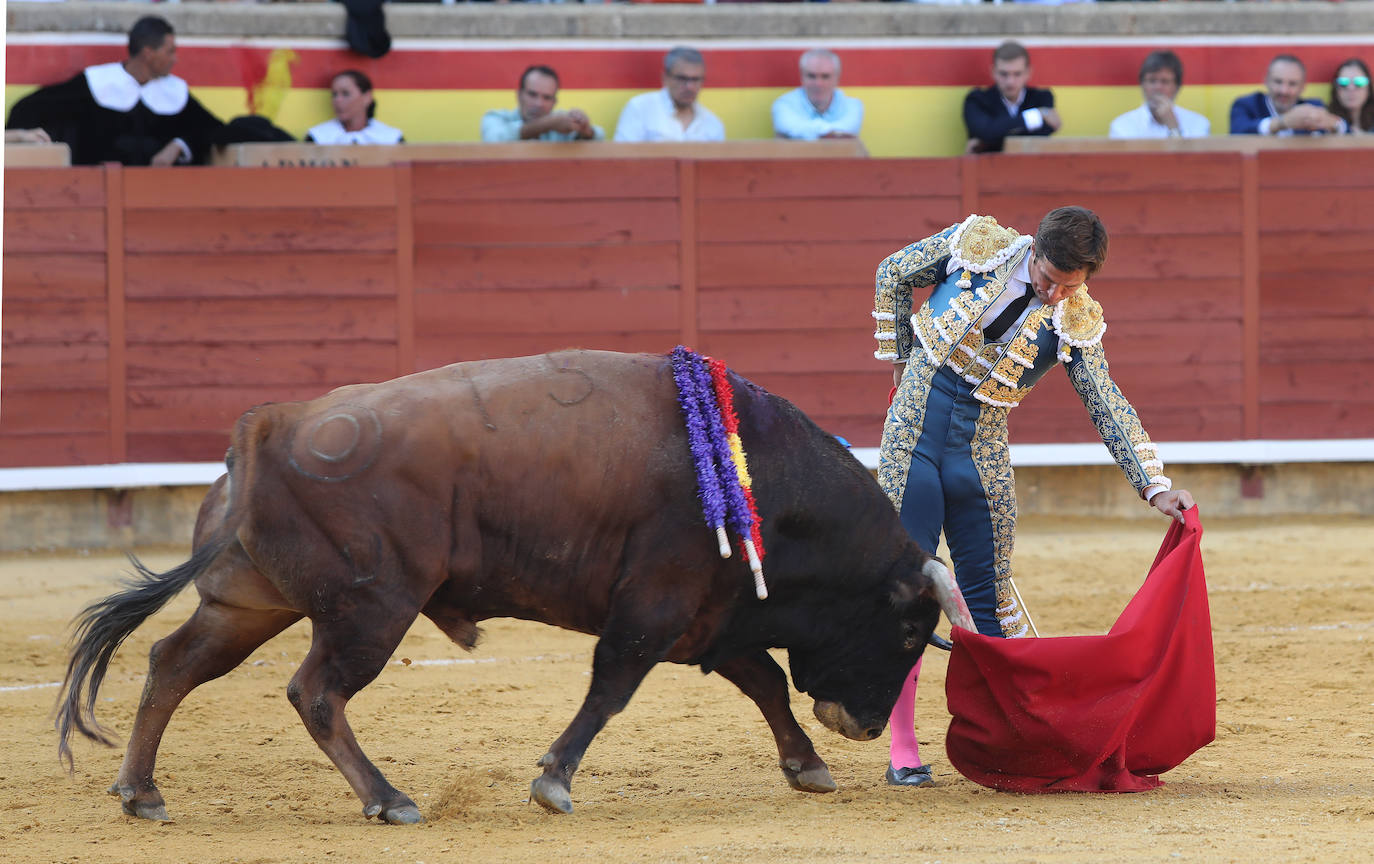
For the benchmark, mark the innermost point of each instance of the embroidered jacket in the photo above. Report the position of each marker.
(945, 327)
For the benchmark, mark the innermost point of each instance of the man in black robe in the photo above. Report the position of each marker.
(135, 112)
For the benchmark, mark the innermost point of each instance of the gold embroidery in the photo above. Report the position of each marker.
(992, 459)
(902, 429)
(1078, 319)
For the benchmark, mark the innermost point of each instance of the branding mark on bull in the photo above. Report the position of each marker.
(337, 446)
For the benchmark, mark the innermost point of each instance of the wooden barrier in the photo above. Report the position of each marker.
(142, 317)
(37, 155)
(1211, 144)
(295, 155)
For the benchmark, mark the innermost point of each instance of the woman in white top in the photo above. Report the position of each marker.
(351, 94)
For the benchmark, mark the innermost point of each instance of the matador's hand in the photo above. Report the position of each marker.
(1173, 502)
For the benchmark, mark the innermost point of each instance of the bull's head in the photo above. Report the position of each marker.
(855, 680)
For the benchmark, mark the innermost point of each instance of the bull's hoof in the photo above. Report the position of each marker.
(407, 814)
(814, 779)
(550, 794)
(153, 809)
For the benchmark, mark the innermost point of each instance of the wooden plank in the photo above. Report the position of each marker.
(54, 276)
(325, 365)
(115, 309)
(402, 177)
(1149, 386)
(829, 178)
(57, 229)
(1166, 300)
(202, 409)
(1333, 419)
(1252, 219)
(52, 366)
(689, 229)
(788, 309)
(283, 274)
(822, 219)
(281, 229)
(1321, 295)
(177, 446)
(22, 155)
(1305, 169)
(1171, 256)
(441, 349)
(545, 180)
(1035, 423)
(1191, 342)
(827, 394)
(540, 223)
(1319, 381)
(30, 412)
(1321, 209)
(68, 321)
(1298, 254)
(47, 188)
(250, 188)
(457, 269)
(546, 312)
(1008, 174)
(749, 266)
(257, 320)
(795, 351)
(32, 451)
(1296, 340)
(968, 185)
(1155, 212)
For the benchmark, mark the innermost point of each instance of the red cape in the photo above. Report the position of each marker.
(1092, 713)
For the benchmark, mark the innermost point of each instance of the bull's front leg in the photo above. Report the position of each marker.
(761, 679)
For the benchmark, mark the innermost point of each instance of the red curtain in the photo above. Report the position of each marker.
(1092, 713)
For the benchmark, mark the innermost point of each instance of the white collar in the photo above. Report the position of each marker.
(114, 88)
(1013, 107)
(375, 132)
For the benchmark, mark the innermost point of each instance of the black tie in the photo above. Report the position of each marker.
(999, 326)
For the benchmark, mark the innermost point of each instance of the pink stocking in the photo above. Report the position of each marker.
(904, 751)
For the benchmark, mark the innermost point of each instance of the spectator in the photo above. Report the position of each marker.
(673, 113)
(1009, 107)
(1281, 110)
(534, 117)
(1161, 76)
(354, 106)
(135, 111)
(1350, 96)
(818, 108)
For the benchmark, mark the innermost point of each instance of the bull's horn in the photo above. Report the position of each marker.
(947, 590)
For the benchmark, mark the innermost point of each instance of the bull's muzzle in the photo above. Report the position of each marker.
(835, 718)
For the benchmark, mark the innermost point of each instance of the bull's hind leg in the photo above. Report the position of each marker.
(762, 680)
(345, 656)
(215, 639)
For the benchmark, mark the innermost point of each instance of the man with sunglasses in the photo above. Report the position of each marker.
(972, 318)
(1281, 110)
(1161, 76)
(673, 113)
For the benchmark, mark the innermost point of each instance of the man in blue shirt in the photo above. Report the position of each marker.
(1280, 108)
(818, 108)
(534, 118)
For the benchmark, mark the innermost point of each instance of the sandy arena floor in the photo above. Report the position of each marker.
(688, 773)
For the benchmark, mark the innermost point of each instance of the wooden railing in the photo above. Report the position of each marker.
(141, 316)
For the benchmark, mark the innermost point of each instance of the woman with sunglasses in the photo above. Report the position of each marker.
(1350, 96)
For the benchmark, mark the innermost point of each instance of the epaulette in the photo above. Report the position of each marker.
(981, 245)
(1078, 321)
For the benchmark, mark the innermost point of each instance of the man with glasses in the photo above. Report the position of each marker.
(1161, 76)
(673, 113)
(972, 318)
(1280, 109)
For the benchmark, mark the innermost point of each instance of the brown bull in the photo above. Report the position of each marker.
(557, 488)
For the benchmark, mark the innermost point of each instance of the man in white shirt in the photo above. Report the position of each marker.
(673, 113)
(534, 118)
(818, 108)
(1161, 76)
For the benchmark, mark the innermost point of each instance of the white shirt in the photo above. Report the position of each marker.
(1141, 123)
(114, 88)
(650, 117)
(375, 132)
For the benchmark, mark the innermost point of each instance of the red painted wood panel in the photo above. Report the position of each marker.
(1318, 381)
(47, 188)
(53, 366)
(1327, 169)
(741, 266)
(1164, 300)
(827, 394)
(1170, 256)
(54, 276)
(456, 269)
(58, 229)
(1317, 420)
(54, 411)
(789, 309)
(326, 365)
(317, 319)
(1300, 258)
(817, 220)
(243, 188)
(1303, 340)
(546, 312)
(1029, 424)
(177, 446)
(1072, 175)
(541, 223)
(277, 274)
(200, 409)
(262, 229)
(1341, 209)
(31, 451)
(831, 178)
(538, 180)
(1153, 212)
(794, 350)
(27, 321)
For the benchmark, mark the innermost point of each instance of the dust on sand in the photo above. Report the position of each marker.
(688, 772)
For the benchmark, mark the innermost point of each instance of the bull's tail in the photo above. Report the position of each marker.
(948, 593)
(100, 629)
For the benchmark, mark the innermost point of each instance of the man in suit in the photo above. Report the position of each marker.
(1281, 110)
(1009, 107)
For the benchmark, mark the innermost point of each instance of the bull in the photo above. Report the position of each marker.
(557, 488)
